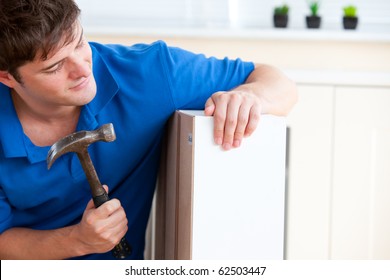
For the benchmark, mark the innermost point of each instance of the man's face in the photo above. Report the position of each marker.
(64, 79)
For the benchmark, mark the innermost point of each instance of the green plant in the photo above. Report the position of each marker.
(314, 7)
(350, 11)
(281, 10)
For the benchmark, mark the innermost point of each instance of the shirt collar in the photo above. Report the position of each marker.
(107, 87)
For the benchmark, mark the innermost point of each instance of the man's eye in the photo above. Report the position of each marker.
(55, 69)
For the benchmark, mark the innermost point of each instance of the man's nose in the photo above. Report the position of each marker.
(79, 67)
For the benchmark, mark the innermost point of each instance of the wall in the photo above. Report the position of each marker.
(247, 13)
(243, 28)
(286, 53)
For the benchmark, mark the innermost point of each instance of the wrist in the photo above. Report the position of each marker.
(72, 244)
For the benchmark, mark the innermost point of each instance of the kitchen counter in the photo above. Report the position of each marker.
(340, 78)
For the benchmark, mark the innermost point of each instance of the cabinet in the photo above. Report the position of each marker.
(309, 173)
(361, 177)
(338, 180)
(215, 204)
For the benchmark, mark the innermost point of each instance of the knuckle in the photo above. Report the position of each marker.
(255, 117)
(243, 119)
(236, 97)
(100, 231)
(89, 220)
(122, 216)
(228, 137)
(112, 205)
(238, 135)
(218, 131)
(105, 235)
(219, 117)
(249, 131)
(231, 122)
(109, 208)
(217, 93)
(218, 97)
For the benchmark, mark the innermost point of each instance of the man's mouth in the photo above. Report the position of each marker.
(82, 84)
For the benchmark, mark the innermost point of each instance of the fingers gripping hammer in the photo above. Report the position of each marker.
(78, 143)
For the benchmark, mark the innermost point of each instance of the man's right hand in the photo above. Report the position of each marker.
(101, 228)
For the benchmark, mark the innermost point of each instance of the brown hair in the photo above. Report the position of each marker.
(29, 27)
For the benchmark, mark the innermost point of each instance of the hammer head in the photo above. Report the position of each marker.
(79, 141)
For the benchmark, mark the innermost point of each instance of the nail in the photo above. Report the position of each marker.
(227, 146)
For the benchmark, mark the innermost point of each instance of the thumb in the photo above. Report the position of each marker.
(209, 107)
(90, 204)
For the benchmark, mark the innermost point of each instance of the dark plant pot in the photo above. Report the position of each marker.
(313, 21)
(280, 21)
(350, 22)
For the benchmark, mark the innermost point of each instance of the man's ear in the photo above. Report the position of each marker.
(7, 79)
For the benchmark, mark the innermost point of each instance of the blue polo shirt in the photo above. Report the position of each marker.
(138, 89)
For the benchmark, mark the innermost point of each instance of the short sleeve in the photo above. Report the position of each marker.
(193, 78)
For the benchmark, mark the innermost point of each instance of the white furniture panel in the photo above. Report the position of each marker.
(222, 204)
(238, 200)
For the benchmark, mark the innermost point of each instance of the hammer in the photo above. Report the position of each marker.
(78, 143)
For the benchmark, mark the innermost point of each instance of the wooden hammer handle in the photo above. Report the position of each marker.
(123, 248)
(100, 196)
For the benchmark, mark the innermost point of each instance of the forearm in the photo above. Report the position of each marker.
(28, 244)
(277, 92)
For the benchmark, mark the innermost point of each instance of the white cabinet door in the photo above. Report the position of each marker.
(361, 192)
(215, 204)
(309, 173)
(239, 196)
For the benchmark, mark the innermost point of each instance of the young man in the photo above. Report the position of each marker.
(53, 83)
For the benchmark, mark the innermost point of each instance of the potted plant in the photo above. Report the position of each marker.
(350, 19)
(313, 20)
(281, 16)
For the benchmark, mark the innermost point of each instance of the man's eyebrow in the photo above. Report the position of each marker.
(58, 62)
(51, 66)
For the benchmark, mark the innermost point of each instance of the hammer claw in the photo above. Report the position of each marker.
(80, 140)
